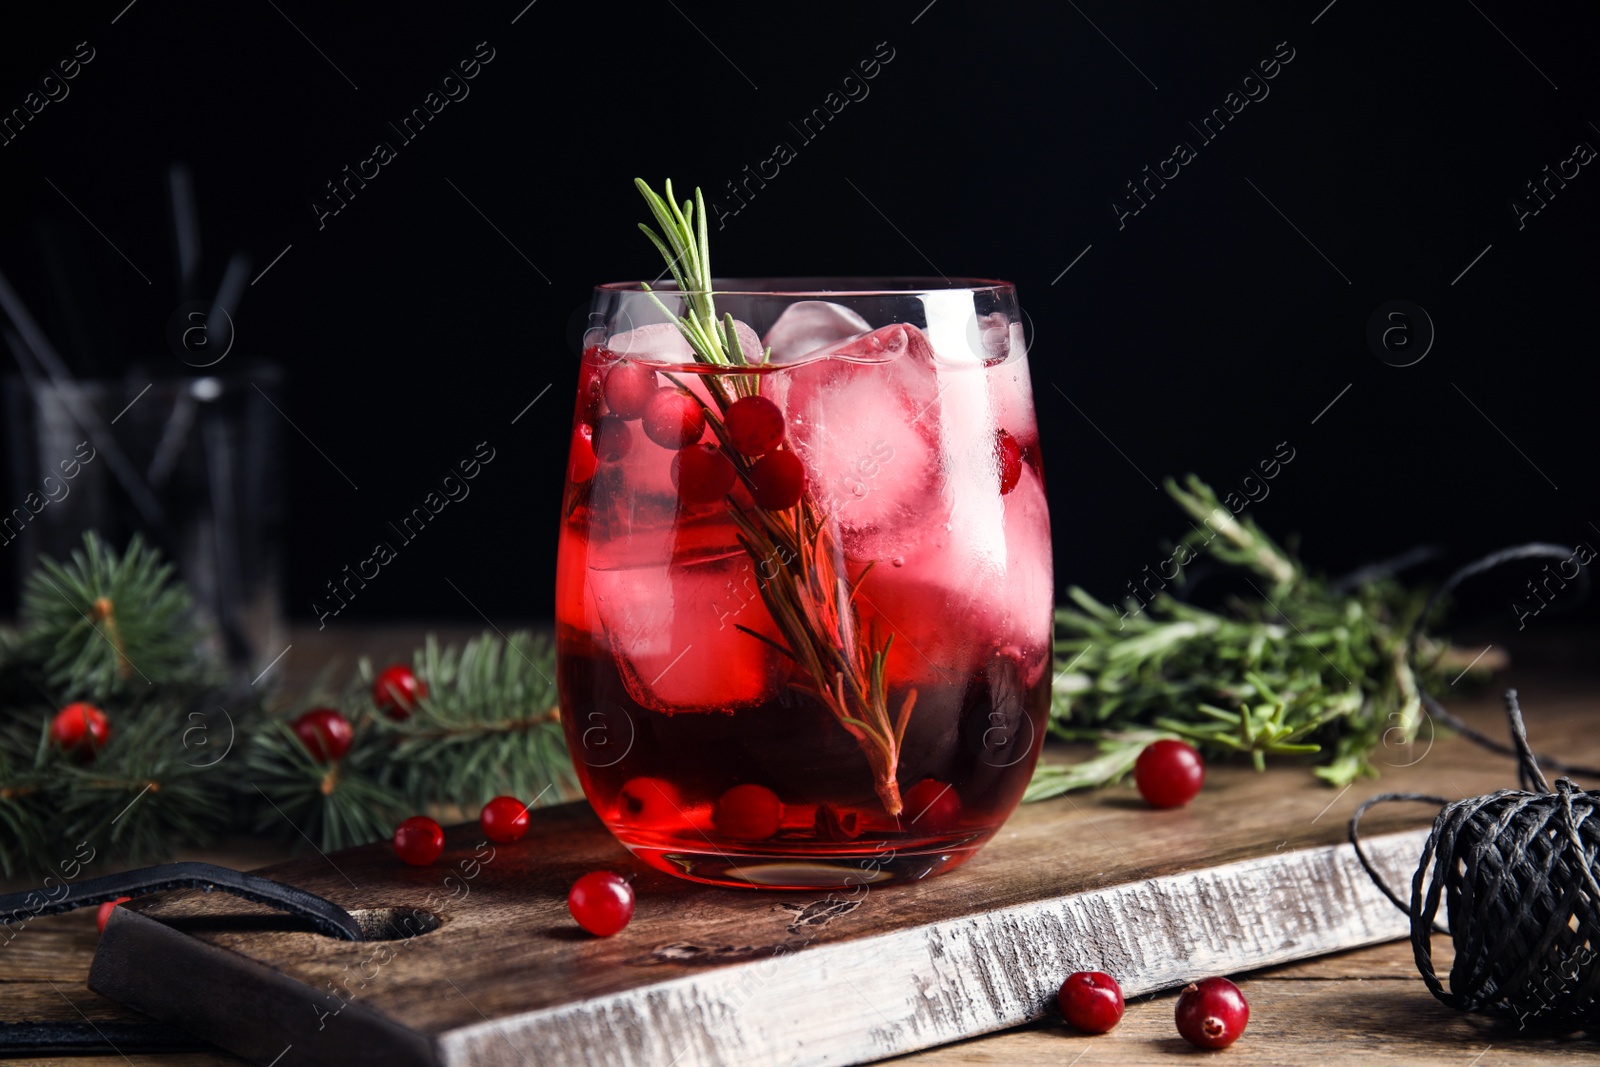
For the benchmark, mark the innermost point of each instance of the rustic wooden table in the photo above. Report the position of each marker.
(1366, 1005)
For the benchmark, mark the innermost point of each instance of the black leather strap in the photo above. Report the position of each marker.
(328, 917)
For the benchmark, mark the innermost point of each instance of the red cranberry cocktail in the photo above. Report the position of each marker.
(804, 591)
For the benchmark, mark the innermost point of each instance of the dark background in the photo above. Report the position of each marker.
(1196, 338)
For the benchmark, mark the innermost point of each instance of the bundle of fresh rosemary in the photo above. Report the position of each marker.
(1303, 668)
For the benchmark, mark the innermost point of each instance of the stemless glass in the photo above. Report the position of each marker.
(804, 601)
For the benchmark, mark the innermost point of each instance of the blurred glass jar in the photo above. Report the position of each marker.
(194, 464)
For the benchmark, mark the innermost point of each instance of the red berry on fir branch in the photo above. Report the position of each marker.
(931, 806)
(418, 841)
(612, 439)
(649, 802)
(325, 733)
(80, 730)
(1009, 453)
(1091, 1001)
(673, 419)
(776, 480)
(504, 820)
(581, 460)
(628, 389)
(1212, 1013)
(1169, 774)
(747, 813)
(601, 902)
(103, 915)
(702, 474)
(397, 690)
(754, 425)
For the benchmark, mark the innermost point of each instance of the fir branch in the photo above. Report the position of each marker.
(487, 727)
(297, 798)
(144, 793)
(25, 804)
(104, 624)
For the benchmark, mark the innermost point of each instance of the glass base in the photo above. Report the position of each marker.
(876, 864)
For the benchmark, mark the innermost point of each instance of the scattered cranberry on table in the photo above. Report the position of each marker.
(702, 474)
(418, 841)
(776, 480)
(673, 418)
(504, 820)
(1091, 1001)
(397, 690)
(325, 733)
(80, 730)
(628, 389)
(1169, 774)
(1212, 1013)
(1009, 454)
(754, 425)
(748, 813)
(601, 903)
(931, 806)
(103, 915)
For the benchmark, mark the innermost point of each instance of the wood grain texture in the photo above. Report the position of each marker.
(1350, 1009)
(1087, 839)
(1251, 874)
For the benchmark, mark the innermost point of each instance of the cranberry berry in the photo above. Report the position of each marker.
(325, 733)
(1091, 1001)
(418, 841)
(581, 461)
(649, 802)
(612, 438)
(397, 690)
(1212, 1013)
(754, 425)
(628, 389)
(674, 419)
(702, 474)
(776, 480)
(748, 813)
(1169, 774)
(1009, 455)
(504, 820)
(80, 730)
(931, 806)
(601, 903)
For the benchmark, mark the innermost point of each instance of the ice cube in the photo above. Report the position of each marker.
(673, 630)
(1011, 392)
(808, 325)
(959, 336)
(864, 419)
(981, 588)
(659, 342)
(749, 342)
(663, 342)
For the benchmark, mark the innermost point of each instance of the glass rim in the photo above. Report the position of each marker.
(822, 287)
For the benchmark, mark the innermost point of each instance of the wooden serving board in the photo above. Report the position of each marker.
(1254, 872)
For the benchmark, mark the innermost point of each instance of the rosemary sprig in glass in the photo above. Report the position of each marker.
(799, 562)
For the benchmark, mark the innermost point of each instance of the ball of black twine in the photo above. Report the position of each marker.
(1517, 872)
